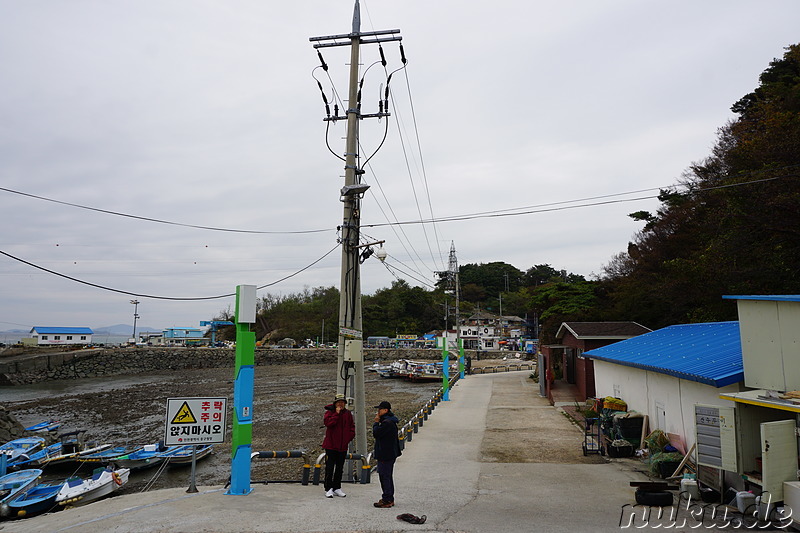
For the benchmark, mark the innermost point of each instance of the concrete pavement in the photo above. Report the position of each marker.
(495, 458)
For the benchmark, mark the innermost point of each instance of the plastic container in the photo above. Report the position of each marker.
(689, 487)
(745, 500)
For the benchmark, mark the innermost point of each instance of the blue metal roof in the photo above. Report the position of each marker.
(709, 353)
(60, 331)
(768, 297)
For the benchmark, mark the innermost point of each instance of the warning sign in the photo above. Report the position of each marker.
(195, 421)
(184, 415)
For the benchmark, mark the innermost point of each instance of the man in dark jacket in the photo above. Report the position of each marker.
(339, 431)
(387, 449)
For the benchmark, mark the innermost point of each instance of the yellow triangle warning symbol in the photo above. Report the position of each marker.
(184, 415)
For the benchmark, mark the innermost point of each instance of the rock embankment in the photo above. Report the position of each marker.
(10, 429)
(35, 368)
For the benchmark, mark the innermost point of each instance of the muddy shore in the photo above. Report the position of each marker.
(287, 410)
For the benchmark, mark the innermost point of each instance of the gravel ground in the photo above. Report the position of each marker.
(288, 409)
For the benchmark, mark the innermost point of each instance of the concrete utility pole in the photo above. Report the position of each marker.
(350, 366)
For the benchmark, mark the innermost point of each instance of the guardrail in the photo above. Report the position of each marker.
(504, 368)
(365, 467)
(285, 454)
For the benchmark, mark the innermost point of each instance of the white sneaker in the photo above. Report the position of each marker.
(340, 493)
(329, 494)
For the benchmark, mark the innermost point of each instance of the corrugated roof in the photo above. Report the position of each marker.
(602, 330)
(58, 331)
(709, 353)
(768, 298)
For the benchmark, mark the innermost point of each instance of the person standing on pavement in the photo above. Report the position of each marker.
(340, 429)
(387, 450)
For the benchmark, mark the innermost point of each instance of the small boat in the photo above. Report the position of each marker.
(37, 500)
(17, 447)
(72, 447)
(145, 457)
(11, 485)
(104, 456)
(182, 455)
(43, 427)
(78, 491)
(36, 458)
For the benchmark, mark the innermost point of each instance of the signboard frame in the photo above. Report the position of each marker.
(205, 421)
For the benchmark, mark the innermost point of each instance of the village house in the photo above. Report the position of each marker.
(44, 336)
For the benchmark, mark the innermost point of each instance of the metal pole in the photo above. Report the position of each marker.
(192, 485)
(135, 316)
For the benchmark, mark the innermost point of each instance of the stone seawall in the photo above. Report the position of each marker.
(98, 362)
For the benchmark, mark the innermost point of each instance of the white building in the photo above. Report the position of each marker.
(60, 335)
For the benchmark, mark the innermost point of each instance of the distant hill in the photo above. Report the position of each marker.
(121, 329)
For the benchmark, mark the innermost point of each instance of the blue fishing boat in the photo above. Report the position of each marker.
(181, 455)
(104, 456)
(145, 457)
(37, 500)
(17, 447)
(47, 425)
(13, 484)
(37, 458)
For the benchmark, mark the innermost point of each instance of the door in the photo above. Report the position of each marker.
(778, 456)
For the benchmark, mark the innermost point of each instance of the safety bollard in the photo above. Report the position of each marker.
(402, 439)
(415, 425)
(425, 412)
(420, 419)
(318, 469)
(365, 470)
(306, 473)
(409, 434)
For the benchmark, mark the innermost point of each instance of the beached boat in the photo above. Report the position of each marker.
(72, 447)
(11, 485)
(145, 457)
(104, 456)
(37, 500)
(79, 491)
(35, 459)
(182, 455)
(43, 427)
(17, 447)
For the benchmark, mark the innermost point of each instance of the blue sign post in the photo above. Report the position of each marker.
(243, 390)
(461, 357)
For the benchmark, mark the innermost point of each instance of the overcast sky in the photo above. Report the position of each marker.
(206, 113)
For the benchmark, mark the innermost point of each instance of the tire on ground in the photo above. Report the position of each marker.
(655, 498)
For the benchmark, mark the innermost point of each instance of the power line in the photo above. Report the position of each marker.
(155, 297)
(148, 219)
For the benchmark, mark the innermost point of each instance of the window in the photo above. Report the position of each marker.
(57, 337)
(69, 337)
(44, 337)
(83, 337)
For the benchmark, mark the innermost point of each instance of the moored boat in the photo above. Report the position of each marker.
(145, 457)
(36, 500)
(47, 425)
(11, 485)
(104, 456)
(78, 491)
(17, 447)
(35, 459)
(182, 455)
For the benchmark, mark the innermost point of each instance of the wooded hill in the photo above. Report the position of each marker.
(730, 226)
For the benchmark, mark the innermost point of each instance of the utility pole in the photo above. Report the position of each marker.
(350, 358)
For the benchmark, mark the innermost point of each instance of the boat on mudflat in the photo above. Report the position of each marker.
(17, 447)
(78, 491)
(43, 427)
(11, 485)
(36, 458)
(104, 456)
(37, 500)
(145, 457)
(182, 455)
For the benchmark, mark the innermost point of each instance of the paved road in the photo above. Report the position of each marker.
(496, 458)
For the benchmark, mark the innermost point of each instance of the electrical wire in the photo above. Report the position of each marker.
(154, 297)
(160, 221)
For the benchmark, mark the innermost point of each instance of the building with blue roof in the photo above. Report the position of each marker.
(44, 336)
(664, 373)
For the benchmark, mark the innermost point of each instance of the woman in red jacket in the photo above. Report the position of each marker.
(340, 429)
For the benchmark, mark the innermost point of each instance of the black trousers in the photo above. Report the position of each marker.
(334, 466)
(385, 472)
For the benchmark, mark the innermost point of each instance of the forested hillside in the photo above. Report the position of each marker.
(730, 226)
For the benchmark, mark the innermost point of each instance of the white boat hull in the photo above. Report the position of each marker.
(93, 489)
